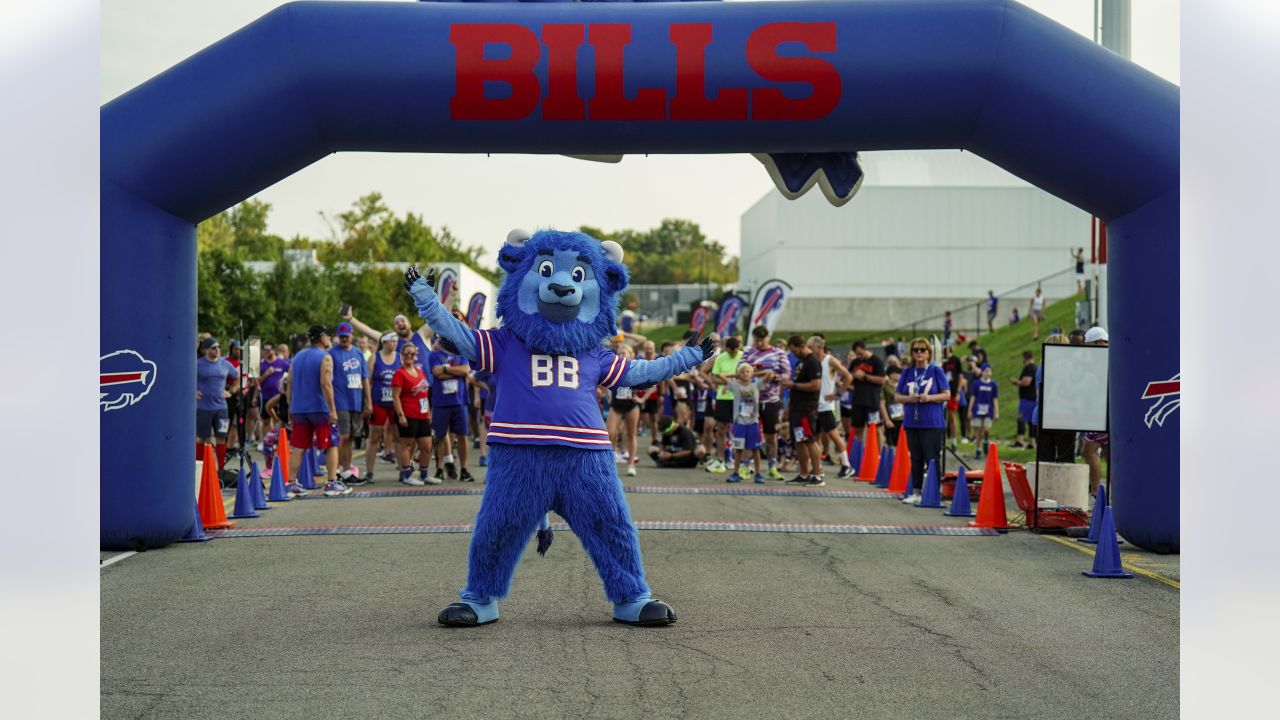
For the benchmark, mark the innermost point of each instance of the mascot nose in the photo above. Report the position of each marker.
(561, 290)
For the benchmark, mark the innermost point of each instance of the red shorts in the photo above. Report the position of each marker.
(310, 430)
(953, 404)
(382, 416)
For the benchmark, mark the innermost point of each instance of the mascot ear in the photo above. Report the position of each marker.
(512, 253)
(612, 249)
(615, 274)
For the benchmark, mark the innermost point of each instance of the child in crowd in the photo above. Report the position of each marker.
(746, 420)
(889, 410)
(984, 408)
(786, 446)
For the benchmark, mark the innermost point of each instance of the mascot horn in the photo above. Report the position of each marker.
(548, 448)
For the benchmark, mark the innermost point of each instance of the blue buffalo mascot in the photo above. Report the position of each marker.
(548, 446)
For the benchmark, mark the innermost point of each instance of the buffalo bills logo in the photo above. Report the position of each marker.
(730, 310)
(124, 378)
(1167, 395)
(770, 303)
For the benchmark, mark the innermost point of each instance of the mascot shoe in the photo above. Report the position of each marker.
(645, 612)
(469, 614)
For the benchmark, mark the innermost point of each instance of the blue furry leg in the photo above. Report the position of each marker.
(590, 497)
(517, 495)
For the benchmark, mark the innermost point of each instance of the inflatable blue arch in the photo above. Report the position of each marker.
(313, 78)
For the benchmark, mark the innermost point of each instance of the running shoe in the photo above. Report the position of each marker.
(617, 458)
(911, 499)
(475, 443)
(466, 476)
(411, 480)
(759, 479)
(451, 470)
(845, 472)
(484, 461)
(387, 456)
(294, 489)
(631, 469)
(775, 474)
(816, 481)
(335, 489)
(355, 480)
(734, 478)
(719, 468)
(798, 480)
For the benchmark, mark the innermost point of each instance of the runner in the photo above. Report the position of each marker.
(410, 395)
(771, 366)
(351, 393)
(313, 412)
(384, 424)
(449, 373)
(828, 402)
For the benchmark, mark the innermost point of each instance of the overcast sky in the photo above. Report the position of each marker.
(142, 38)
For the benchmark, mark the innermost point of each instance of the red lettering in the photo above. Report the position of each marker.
(610, 101)
(690, 101)
(822, 76)
(562, 101)
(473, 71)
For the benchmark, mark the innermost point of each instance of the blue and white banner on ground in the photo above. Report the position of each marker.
(475, 310)
(731, 307)
(447, 287)
(768, 304)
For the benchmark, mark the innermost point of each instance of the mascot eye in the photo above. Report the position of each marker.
(545, 268)
(579, 274)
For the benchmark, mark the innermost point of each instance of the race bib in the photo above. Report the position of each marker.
(798, 433)
(386, 394)
(982, 409)
(224, 425)
(424, 406)
(739, 443)
(895, 411)
(702, 404)
(623, 393)
(748, 408)
(355, 381)
(874, 416)
(449, 387)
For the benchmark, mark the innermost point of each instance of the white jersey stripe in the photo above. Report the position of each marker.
(518, 436)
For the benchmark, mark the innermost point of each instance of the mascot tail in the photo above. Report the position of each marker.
(545, 535)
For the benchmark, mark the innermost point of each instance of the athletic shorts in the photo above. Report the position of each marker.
(415, 428)
(382, 415)
(211, 423)
(980, 423)
(769, 413)
(650, 406)
(1025, 408)
(746, 436)
(860, 415)
(310, 430)
(350, 423)
(699, 424)
(827, 421)
(804, 425)
(623, 406)
(1037, 314)
(724, 410)
(449, 419)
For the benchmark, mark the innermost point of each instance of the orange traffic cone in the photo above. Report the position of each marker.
(901, 466)
(212, 513)
(870, 455)
(282, 454)
(991, 502)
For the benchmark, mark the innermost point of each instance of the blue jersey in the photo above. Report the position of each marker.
(423, 351)
(984, 394)
(380, 380)
(211, 380)
(546, 399)
(304, 383)
(349, 369)
(450, 390)
(992, 303)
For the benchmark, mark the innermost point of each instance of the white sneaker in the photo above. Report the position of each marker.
(411, 480)
(911, 499)
(631, 469)
(432, 480)
(617, 458)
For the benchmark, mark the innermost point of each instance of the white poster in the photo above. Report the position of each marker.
(1075, 388)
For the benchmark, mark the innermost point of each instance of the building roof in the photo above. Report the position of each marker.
(933, 168)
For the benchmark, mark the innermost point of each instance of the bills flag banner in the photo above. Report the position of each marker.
(699, 318)
(730, 312)
(475, 311)
(447, 287)
(767, 306)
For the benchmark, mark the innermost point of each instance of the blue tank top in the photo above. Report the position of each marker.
(380, 382)
(546, 399)
(304, 383)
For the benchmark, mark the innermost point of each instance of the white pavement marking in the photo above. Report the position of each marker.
(117, 558)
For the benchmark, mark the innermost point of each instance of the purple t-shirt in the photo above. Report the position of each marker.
(271, 383)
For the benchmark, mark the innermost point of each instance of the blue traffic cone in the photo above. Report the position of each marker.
(317, 463)
(306, 471)
(1106, 561)
(244, 498)
(277, 492)
(960, 500)
(255, 484)
(196, 533)
(931, 494)
(883, 469)
(1095, 519)
(855, 453)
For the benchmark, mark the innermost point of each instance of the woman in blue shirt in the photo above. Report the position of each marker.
(923, 391)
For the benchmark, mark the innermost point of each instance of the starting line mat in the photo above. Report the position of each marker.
(873, 494)
(695, 525)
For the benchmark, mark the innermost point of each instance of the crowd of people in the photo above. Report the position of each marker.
(758, 412)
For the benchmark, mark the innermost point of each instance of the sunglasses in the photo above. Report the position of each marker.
(919, 349)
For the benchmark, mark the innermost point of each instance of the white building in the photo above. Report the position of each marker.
(928, 231)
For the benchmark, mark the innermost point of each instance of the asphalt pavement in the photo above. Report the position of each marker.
(790, 604)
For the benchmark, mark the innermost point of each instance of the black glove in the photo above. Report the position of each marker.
(411, 276)
(706, 345)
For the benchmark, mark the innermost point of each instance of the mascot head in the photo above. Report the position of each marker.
(562, 289)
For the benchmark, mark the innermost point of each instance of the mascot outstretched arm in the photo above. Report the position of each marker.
(548, 448)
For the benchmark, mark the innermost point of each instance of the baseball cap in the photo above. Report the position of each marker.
(387, 337)
(315, 331)
(1095, 334)
(207, 343)
(344, 329)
